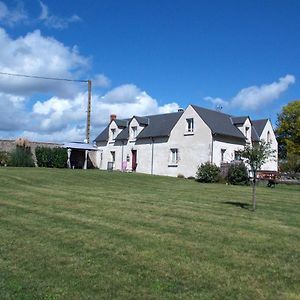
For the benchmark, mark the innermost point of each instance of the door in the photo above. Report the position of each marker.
(134, 160)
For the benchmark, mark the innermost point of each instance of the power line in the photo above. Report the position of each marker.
(42, 77)
(89, 82)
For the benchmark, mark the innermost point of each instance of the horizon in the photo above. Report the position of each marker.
(144, 58)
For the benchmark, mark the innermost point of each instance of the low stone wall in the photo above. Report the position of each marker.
(10, 145)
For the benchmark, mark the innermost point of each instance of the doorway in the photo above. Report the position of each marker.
(134, 160)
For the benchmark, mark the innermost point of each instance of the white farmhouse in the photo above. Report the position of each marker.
(177, 143)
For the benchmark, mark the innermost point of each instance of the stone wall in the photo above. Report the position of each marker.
(10, 145)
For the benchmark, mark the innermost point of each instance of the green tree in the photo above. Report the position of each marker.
(255, 157)
(288, 130)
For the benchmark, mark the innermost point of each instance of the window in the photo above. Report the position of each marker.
(247, 133)
(268, 137)
(222, 154)
(190, 125)
(134, 131)
(174, 156)
(237, 155)
(113, 156)
(113, 133)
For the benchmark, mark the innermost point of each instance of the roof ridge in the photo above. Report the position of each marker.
(215, 111)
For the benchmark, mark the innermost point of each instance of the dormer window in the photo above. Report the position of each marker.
(268, 137)
(190, 125)
(134, 132)
(247, 130)
(113, 133)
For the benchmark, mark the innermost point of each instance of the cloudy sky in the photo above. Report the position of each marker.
(143, 57)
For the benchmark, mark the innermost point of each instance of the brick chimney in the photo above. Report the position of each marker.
(113, 117)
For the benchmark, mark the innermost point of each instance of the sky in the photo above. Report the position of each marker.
(143, 57)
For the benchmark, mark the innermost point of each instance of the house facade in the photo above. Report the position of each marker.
(177, 143)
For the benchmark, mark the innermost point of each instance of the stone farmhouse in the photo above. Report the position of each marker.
(177, 143)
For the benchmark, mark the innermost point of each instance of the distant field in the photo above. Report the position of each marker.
(75, 234)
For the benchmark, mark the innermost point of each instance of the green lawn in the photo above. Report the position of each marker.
(75, 234)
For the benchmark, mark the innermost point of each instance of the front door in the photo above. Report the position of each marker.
(134, 160)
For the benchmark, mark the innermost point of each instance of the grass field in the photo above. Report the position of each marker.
(75, 234)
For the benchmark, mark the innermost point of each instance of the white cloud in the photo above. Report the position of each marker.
(56, 22)
(11, 17)
(13, 114)
(62, 119)
(100, 80)
(34, 54)
(254, 97)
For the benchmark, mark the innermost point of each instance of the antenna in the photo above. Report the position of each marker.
(219, 107)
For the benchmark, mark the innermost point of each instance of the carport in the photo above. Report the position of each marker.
(78, 154)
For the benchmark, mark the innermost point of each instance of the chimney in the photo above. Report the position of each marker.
(180, 109)
(113, 117)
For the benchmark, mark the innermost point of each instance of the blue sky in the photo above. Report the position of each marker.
(144, 57)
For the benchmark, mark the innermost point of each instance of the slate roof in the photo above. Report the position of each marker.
(219, 123)
(254, 134)
(121, 123)
(259, 125)
(142, 120)
(239, 120)
(103, 136)
(162, 125)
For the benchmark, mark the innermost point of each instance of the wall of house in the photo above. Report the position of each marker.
(230, 145)
(194, 148)
(272, 164)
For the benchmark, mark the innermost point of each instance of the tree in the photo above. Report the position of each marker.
(255, 157)
(288, 133)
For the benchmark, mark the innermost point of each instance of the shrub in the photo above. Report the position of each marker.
(238, 174)
(60, 157)
(44, 157)
(180, 176)
(208, 172)
(51, 157)
(21, 157)
(4, 158)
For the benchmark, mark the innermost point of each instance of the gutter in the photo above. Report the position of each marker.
(152, 154)
(212, 148)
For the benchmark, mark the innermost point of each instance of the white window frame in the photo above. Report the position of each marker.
(113, 133)
(223, 151)
(174, 157)
(268, 137)
(190, 125)
(113, 156)
(134, 131)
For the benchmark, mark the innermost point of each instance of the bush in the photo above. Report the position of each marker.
(44, 157)
(21, 157)
(208, 172)
(4, 158)
(238, 174)
(60, 157)
(51, 157)
(180, 176)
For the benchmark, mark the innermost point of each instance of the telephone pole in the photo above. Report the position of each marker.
(88, 117)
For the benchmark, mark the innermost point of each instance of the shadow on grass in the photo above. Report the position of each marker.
(239, 204)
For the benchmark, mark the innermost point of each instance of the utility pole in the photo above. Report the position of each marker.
(88, 118)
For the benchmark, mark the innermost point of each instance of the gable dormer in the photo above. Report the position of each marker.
(115, 127)
(135, 126)
(244, 125)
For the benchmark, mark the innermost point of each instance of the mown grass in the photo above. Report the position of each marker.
(75, 234)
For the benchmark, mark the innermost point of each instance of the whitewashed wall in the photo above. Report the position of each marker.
(272, 164)
(193, 148)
